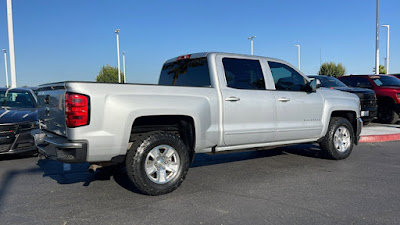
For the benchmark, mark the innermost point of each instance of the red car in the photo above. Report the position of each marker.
(387, 89)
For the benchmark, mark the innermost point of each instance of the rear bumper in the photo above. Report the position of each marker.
(60, 148)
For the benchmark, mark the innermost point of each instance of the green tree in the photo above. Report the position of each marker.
(109, 74)
(332, 69)
(382, 69)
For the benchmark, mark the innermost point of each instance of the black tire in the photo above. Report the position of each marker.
(138, 154)
(387, 114)
(328, 147)
(365, 123)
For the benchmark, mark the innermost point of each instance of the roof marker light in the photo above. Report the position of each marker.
(183, 57)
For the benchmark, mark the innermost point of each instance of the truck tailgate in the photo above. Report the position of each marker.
(51, 108)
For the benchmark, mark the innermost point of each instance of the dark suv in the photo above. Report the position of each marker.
(387, 89)
(367, 97)
(18, 116)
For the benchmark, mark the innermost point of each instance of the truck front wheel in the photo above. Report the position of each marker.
(338, 141)
(157, 163)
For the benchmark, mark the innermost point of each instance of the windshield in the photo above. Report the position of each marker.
(385, 80)
(16, 99)
(330, 82)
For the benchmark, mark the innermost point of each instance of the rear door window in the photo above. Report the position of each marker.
(243, 74)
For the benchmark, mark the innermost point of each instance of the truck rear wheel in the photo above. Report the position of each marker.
(339, 140)
(157, 163)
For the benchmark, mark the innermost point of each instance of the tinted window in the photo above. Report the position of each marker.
(17, 99)
(286, 78)
(385, 81)
(330, 82)
(354, 81)
(186, 72)
(244, 74)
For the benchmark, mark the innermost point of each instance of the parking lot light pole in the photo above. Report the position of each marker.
(251, 44)
(298, 55)
(387, 49)
(119, 67)
(11, 44)
(5, 65)
(377, 39)
(123, 65)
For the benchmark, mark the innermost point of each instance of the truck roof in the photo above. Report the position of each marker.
(192, 56)
(205, 54)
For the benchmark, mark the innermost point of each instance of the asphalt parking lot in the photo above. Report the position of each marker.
(291, 185)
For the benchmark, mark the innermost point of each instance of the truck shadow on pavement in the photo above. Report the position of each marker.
(71, 173)
(214, 159)
(78, 173)
(203, 159)
(16, 156)
(308, 150)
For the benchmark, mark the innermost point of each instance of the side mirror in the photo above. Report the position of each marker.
(314, 85)
(317, 83)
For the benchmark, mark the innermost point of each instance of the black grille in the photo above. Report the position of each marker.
(4, 148)
(368, 102)
(26, 126)
(6, 130)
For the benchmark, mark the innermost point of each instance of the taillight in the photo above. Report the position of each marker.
(76, 110)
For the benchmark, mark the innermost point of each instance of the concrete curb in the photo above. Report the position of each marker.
(379, 138)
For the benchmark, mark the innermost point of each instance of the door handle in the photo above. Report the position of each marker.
(283, 99)
(232, 99)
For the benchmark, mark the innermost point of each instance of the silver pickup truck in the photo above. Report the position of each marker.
(203, 103)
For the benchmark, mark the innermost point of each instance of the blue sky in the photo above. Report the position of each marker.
(72, 40)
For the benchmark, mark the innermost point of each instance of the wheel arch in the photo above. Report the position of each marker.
(180, 125)
(347, 114)
(385, 100)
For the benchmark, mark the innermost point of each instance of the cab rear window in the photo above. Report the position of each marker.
(186, 72)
